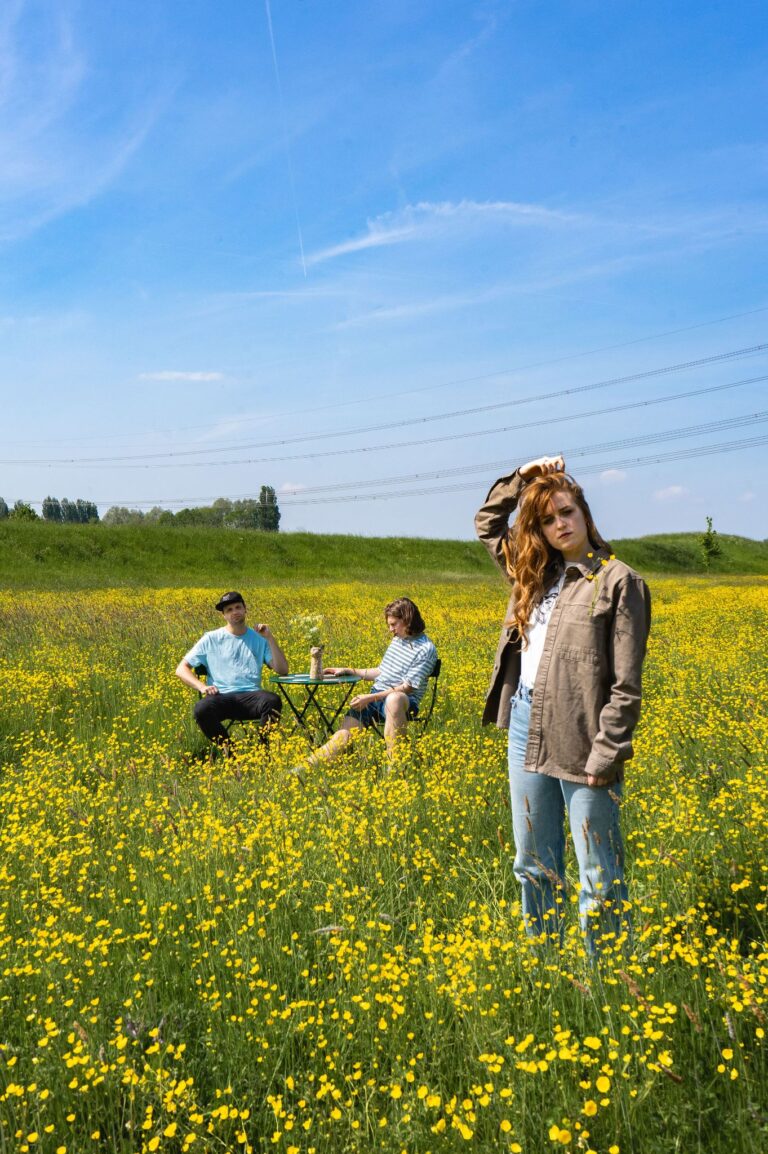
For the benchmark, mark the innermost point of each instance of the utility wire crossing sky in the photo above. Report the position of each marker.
(228, 229)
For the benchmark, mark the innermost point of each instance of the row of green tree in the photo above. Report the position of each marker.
(77, 512)
(252, 513)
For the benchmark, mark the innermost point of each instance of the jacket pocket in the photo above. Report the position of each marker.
(581, 654)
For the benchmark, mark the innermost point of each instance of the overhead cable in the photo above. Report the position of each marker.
(647, 374)
(626, 463)
(441, 385)
(680, 433)
(464, 435)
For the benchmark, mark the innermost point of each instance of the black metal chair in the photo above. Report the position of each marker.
(423, 717)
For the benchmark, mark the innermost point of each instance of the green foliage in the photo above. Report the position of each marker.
(22, 511)
(77, 512)
(153, 553)
(249, 513)
(88, 556)
(710, 544)
(681, 553)
(52, 510)
(269, 512)
(4, 511)
(120, 515)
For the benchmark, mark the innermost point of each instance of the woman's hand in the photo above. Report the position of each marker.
(337, 671)
(542, 467)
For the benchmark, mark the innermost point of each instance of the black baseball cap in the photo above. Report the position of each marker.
(231, 598)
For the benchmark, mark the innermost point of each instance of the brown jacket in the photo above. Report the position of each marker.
(586, 699)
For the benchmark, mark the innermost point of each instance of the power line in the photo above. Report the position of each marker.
(628, 463)
(682, 432)
(622, 442)
(126, 462)
(441, 385)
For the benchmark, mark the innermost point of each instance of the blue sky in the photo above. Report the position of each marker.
(301, 244)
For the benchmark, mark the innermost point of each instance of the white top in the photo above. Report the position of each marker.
(410, 659)
(535, 633)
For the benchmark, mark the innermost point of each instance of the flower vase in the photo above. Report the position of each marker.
(316, 662)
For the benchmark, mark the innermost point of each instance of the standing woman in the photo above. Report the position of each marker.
(567, 684)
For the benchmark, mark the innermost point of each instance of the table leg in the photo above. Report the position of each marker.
(342, 706)
(312, 704)
(298, 714)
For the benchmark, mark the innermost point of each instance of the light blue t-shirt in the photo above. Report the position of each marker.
(233, 663)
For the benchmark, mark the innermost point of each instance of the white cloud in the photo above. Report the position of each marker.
(671, 493)
(419, 221)
(411, 309)
(180, 375)
(613, 476)
(747, 495)
(289, 487)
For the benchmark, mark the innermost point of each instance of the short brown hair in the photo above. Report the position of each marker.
(405, 610)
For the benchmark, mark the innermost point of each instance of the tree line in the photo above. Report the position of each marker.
(77, 512)
(251, 513)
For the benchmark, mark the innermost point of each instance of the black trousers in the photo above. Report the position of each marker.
(256, 705)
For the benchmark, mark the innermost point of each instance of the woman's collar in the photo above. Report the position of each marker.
(595, 560)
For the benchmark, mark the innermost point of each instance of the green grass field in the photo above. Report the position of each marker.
(38, 555)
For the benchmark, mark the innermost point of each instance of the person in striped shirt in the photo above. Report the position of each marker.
(399, 682)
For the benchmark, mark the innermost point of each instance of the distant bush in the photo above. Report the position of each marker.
(21, 511)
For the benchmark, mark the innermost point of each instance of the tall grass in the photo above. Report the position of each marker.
(219, 956)
(39, 555)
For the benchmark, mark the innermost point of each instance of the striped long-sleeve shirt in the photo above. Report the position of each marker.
(410, 659)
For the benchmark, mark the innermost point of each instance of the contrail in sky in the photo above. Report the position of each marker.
(285, 135)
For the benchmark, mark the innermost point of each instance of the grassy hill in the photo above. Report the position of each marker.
(681, 553)
(39, 555)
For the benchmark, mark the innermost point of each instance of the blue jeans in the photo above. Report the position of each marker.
(538, 817)
(375, 711)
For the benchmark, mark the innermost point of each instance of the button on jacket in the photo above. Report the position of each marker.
(586, 698)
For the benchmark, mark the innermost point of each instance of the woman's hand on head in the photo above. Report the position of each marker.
(542, 467)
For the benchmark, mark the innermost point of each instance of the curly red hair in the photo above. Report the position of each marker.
(526, 551)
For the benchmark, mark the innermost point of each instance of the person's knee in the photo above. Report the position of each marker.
(203, 707)
(272, 704)
(396, 704)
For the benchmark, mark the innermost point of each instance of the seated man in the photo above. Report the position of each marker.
(399, 683)
(233, 656)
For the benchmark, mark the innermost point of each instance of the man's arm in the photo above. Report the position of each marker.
(187, 674)
(279, 662)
